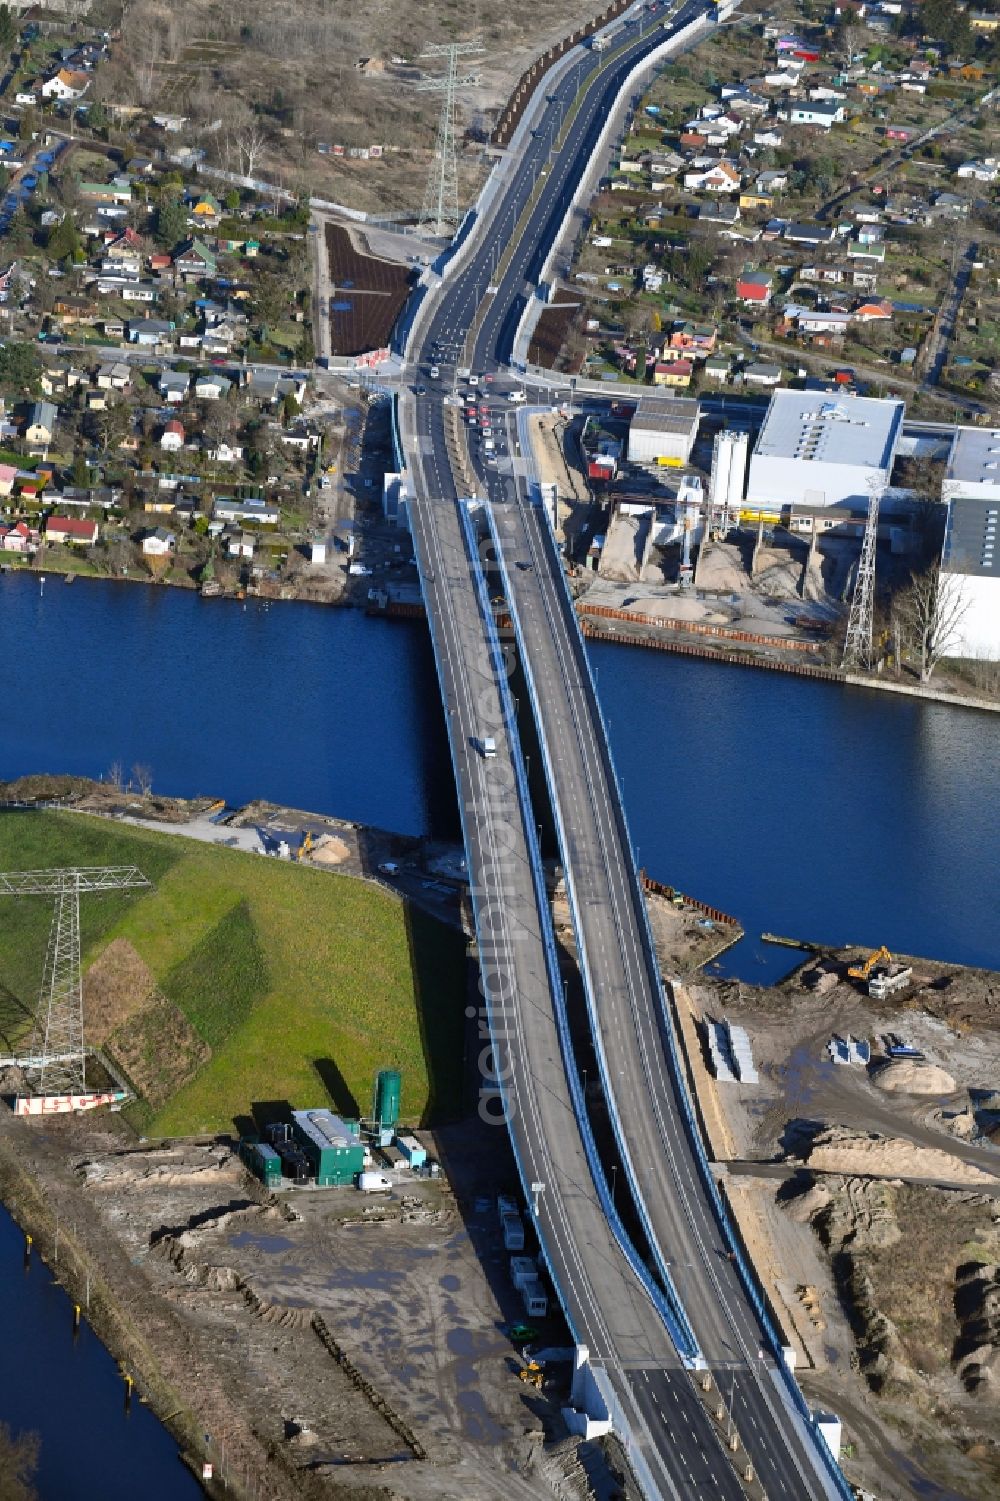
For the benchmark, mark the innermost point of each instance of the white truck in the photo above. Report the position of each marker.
(374, 1183)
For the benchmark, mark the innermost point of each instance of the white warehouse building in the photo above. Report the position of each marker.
(663, 430)
(971, 559)
(818, 450)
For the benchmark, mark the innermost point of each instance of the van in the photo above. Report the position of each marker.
(374, 1183)
(489, 445)
(473, 380)
(516, 397)
(488, 747)
(435, 372)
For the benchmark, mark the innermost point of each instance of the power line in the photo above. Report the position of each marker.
(441, 196)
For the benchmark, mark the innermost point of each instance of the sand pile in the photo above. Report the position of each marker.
(330, 849)
(908, 1076)
(838, 1150)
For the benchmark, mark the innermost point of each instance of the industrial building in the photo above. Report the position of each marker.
(971, 558)
(334, 1151)
(818, 450)
(663, 430)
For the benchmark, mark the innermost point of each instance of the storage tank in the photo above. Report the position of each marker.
(388, 1089)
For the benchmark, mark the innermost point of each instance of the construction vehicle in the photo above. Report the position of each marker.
(531, 1374)
(306, 847)
(863, 970)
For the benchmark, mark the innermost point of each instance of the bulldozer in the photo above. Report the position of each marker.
(531, 1374)
(863, 970)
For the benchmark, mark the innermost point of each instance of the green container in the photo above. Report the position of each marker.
(388, 1090)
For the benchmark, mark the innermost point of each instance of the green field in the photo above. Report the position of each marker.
(301, 982)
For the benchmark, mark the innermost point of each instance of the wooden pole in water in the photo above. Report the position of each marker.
(129, 1383)
(76, 1318)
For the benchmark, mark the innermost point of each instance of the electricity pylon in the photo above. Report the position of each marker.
(56, 1061)
(441, 197)
(859, 641)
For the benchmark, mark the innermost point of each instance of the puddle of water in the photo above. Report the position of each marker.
(450, 1283)
(269, 1244)
(477, 1423)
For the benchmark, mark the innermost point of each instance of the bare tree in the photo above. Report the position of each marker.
(116, 776)
(250, 143)
(142, 776)
(930, 613)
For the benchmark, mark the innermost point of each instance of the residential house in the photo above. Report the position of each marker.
(240, 544)
(768, 136)
(984, 21)
(260, 511)
(174, 386)
(8, 474)
(816, 112)
(898, 132)
(205, 209)
(65, 84)
(172, 436)
(194, 260)
(949, 206)
(159, 505)
(719, 213)
(754, 198)
(96, 400)
(810, 234)
(268, 387)
(40, 426)
(774, 180)
(303, 438)
(211, 386)
(70, 310)
(673, 373)
(754, 288)
(112, 328)
(762, 374)
(115, 377)
(876, 310)
(149, 331)
(158, 543)
(225, 453)
(823, 323)
(718, 367)
(721, 178)
(16, 538)
(74, 530)
(985, 171)
(699, 337)
(117, 192)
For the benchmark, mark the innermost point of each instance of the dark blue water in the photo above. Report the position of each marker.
(70, 1392)
(300, 704)
(807, 809)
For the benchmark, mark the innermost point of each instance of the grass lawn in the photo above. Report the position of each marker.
(301, 982)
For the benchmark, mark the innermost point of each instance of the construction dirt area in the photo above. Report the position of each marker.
(335, 1344)
(869, 1197)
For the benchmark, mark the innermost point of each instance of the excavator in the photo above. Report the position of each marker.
(863, 971)
(306, 847)
(531, 1374)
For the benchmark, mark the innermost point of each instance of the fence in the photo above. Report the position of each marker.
(699, 628)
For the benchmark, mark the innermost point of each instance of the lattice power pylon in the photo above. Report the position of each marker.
(56, 1062)
(859, 641)
(441, 198)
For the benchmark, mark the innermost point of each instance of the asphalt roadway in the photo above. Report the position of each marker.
(604, 1300)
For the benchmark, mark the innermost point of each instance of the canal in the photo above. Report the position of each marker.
(67, 1389)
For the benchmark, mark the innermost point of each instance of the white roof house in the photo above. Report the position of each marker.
(819, 450)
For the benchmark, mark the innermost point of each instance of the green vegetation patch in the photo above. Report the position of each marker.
(301, 982)
(218, 984)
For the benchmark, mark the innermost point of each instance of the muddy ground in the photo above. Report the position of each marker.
(338, 1346)
(886, 1284)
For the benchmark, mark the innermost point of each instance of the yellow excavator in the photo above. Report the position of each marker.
(306, 847)
(531, 1374)
(863, 971)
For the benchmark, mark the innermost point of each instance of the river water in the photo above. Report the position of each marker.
(801, 808)
(68, 1389)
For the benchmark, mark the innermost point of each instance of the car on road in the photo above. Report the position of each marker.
(516, 397)
(389, 868)
(523, 565)
(420, 390)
